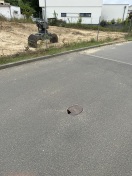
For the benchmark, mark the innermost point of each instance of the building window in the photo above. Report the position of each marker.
(63, 14)
(85, 14)
(15, 12)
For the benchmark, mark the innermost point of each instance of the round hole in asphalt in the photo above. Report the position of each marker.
(74, 110)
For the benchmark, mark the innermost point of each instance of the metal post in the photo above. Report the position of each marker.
(124, 13)
(130, 28)
(45, 11)
(45, 24)
(98, 29)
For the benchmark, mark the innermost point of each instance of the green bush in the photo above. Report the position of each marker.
(79, 20)
(126, 22)
(29, 20)
(113, 21)
(87, 27)
(103, 23)
(92, 40)
(56, 22)
(119, 21)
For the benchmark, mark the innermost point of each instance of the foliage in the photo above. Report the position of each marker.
(55, 21)
(79, 21)
(119, 21)
(21, 20)
(113, 21)
(49, 51)
(109, 23)
(12, 2)
(92, 40)
(126, 22)
(26, 9)
(55, 15)
(112, 28)
(34, 4)
(2, 18)
(130, 15)
(103, 23)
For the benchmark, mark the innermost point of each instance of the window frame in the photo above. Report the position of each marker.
(15, 12)
(63, 14)
(85, 15)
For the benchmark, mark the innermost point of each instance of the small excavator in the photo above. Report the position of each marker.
(42, 34)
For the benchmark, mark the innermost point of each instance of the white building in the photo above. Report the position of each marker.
(130, 9)
(72, 10)
(114, 11)
(9, 11)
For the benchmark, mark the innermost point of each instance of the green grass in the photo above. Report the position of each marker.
(21, 20)
(50, 51)
(2, 19)
(125, 28)
(129, 36)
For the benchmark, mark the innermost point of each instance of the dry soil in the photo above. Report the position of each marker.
(13, 36)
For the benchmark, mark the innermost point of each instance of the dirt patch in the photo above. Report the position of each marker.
(13, 36)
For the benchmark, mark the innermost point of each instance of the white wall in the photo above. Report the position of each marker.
(72, 8)
(15, 12)
(10, 12)
(73, 14)
(130, 9)
(114, 11)
(5, 11)
(69, 3)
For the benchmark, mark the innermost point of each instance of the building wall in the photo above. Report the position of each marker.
(15, 12)
(130, 9)
(73, 9)
(114, 11)
(69, 3)
(73, 14)
(10, 11)
(5, 11)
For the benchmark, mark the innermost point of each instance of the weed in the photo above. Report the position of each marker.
(128, 36)
(49, 51)
(92, 40)
(108, 39)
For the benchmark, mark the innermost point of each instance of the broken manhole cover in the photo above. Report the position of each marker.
(74, 110)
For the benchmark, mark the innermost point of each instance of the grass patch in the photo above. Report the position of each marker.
(50, 51)
(21, 20)
(2, 18)
(129, 36)
(124, 28)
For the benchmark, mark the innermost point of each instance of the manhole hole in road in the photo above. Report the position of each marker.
(74, 110)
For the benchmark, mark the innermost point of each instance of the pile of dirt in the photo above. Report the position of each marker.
(13, 36)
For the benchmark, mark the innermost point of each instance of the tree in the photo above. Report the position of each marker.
(33, 4)
(12, 2)
(26, 8)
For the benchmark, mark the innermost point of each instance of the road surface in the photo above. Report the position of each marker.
(39, 138)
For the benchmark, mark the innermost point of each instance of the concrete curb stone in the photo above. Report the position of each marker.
(55, 55)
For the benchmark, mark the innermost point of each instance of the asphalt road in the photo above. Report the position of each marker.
(39, 138)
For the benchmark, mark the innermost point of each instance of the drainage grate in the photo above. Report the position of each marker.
(74, 110)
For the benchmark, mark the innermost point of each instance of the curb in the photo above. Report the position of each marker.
(55, 55)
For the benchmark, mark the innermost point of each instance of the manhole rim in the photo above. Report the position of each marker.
(77, 109)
